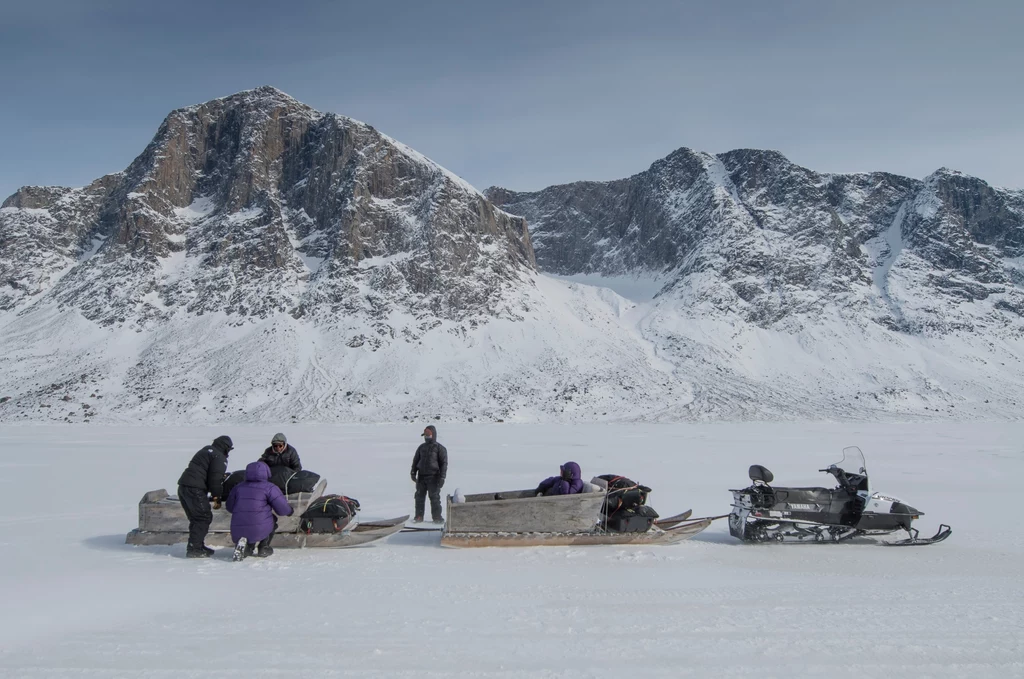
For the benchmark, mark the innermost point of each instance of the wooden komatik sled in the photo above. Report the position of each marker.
(162, 521)
(519, 519)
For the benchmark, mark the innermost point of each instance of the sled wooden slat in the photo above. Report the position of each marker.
(519, 511)
(655, 536)
(360, 535)
(159, 512)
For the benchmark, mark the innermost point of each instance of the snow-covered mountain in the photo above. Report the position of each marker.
(264, 261)
(787, 292)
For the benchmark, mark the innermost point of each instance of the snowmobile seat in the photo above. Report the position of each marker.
(759, 473)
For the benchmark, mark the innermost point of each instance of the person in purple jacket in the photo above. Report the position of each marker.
(568, 482)
(252, 504)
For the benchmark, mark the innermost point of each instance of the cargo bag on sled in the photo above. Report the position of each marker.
(328, 514)
(288, 480)
(625, 508)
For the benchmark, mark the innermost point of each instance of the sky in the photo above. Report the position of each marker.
(528, 94)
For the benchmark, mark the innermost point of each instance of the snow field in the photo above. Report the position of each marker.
(79, 603)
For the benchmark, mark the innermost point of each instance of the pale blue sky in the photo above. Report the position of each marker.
(527, 94)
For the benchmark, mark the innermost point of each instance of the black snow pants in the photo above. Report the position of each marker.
(431, 485)
(197, 508)
(265, 542)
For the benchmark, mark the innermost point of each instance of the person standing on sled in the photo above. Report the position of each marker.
(281, 453)
(203, 479)
(429, 469)
(252, 504)
(568, 482)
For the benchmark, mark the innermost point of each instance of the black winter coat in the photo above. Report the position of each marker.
(206, 470)
(289, 457)
(431, 459)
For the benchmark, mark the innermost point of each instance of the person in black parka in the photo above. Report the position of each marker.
(203, 479)
(281, 453)
(429, 469)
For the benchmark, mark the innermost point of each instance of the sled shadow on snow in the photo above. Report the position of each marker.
(116, 543)
(715, 538)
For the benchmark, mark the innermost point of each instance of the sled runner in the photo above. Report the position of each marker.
(766, 513)
(162, 521)
(520, 519)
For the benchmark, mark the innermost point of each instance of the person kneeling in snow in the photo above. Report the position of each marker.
(568, 482)
(252, 504)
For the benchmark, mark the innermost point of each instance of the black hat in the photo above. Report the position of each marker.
(224, 443)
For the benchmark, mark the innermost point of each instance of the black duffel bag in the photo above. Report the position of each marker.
(232, 480)
(291, 481)
(328, 514)
(630, 521)
(624, 494)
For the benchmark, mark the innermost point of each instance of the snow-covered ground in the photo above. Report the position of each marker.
(644, 361)
(78, 602)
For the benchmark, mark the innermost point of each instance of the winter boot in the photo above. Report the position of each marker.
(240, 550)
(418, 519)
(209, 551)
(193, 552)
(265, 548)
(437, 520)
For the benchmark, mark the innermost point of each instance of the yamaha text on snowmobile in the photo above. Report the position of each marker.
(763, 513)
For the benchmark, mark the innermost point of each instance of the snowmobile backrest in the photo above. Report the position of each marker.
(759, 473)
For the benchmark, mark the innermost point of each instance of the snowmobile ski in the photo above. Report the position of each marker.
(943, 533)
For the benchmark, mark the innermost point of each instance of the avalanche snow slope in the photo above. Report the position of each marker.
(568, 352)
(79, 603)
(831, 368)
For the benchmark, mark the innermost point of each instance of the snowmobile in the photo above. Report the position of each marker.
(765, 513)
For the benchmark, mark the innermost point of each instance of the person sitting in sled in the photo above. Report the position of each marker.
(568, 482)
(281, 453)
(252, 504)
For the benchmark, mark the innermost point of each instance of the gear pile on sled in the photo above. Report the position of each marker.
(162, 521)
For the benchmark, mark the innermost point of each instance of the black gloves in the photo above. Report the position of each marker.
(412, 475)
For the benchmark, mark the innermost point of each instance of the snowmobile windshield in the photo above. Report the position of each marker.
(852, 471)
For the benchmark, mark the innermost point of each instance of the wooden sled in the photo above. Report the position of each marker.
(519, 519)
(162, 521)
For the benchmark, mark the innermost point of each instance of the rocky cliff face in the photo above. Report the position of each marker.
(750, 233)
(256, 204)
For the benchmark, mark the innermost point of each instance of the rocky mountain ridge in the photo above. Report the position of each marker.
(750, 233)
(256, 204)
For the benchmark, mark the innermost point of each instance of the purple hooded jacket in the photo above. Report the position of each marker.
(253, 502)
(561, 485)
